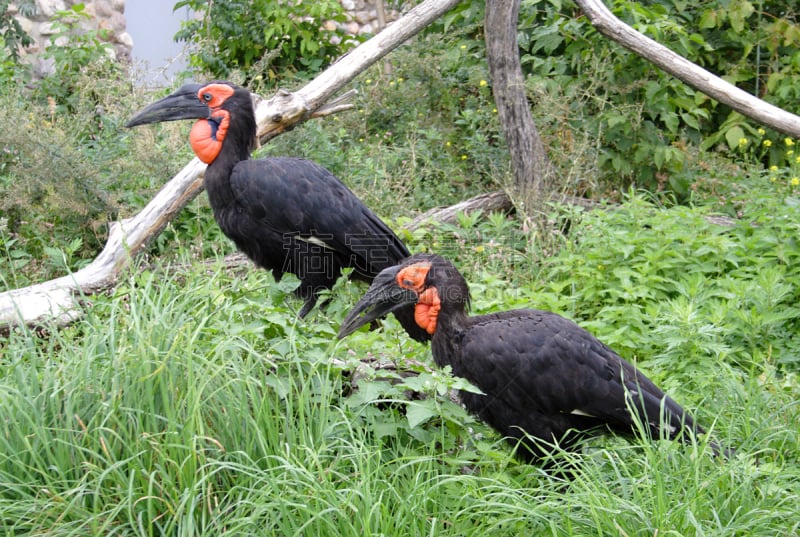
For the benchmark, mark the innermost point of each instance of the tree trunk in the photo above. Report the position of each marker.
(529, 163)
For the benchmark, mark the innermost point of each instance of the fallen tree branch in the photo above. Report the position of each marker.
(684, 70)
(485, 203)
(58, 301)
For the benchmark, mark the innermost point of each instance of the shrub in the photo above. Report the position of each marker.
(12, 35)
(591, 96)
(264, 39)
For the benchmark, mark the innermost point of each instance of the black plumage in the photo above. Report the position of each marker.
(286, 214)
(543, 378)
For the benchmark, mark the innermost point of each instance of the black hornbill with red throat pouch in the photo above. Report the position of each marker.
(544, 379)
(286, 214)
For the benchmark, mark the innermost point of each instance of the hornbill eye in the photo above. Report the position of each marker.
(207, 97)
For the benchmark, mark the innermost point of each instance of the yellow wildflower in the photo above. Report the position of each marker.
(463, 47)
(762, 132)
(482, 83)
(788, 141)
(795, 181)
(463, 157)
(773, 168)
(742, 142)
(767, 143)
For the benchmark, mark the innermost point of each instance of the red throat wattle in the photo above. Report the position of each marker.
(207, 135)
(426, 312)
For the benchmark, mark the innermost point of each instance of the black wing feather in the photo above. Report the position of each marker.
(295, 196)
(546, 375)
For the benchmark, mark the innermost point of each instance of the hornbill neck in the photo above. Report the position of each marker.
(452, 323)
(218, 176)
(446, 294)
(453, 318)
(235, 148)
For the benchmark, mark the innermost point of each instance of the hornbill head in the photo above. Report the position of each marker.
(428, 281)
(223, 110)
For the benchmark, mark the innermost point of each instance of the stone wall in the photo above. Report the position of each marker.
(364, 16)
(103, 15)
(110, 15)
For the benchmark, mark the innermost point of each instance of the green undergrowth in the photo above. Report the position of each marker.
(191, 401)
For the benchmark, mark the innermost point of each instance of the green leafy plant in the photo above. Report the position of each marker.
(13, 35)
(83, 50)
(264, 40)
(642, 119)
(65, 174)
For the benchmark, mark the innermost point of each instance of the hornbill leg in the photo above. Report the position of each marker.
(308, 305)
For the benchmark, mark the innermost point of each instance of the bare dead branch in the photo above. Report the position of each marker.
(681, 68)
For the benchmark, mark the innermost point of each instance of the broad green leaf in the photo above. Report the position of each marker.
(733, 135)
(418, 412)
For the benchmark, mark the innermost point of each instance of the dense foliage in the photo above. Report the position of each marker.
(643, 121)
(192, 401)
(12, 35)
(64, 168)
(266, 39)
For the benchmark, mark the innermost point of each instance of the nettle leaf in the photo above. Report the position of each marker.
(738, 13)
(369, 392)
(421, 383)
(385, 428)
(281, 385)
(418, 412)
(464, 385)
(733, 135)
(709, 19)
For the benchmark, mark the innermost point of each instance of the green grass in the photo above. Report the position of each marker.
(192, 401)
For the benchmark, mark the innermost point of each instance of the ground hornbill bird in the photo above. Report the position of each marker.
(286, 214)
(544, 379)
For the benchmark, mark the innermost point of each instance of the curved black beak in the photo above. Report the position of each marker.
(183, 104)
(383, 296)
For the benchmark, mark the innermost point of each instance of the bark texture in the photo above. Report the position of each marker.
(529, 162)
